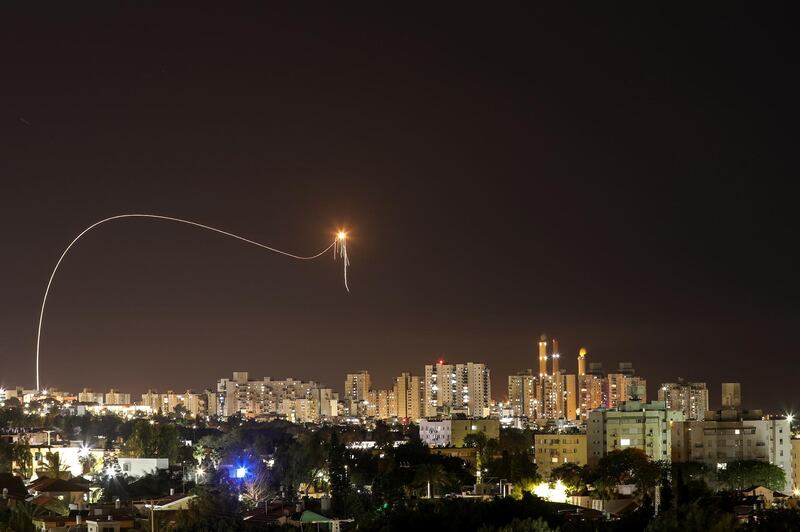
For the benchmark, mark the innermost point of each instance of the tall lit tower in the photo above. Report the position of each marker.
(542, 356)
(556, 356)
(556, 386)
(582, 362)
(540, 391)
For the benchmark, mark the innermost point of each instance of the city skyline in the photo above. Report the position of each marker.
(498, 381)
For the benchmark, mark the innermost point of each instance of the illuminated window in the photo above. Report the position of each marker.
(625, 441)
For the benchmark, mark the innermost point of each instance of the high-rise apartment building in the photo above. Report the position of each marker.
(690, 398)
(357, 386)
(731, 395)
(115, 397)
(265, 397)
(457, 388)
(382, 404)
(624, 385)
(570, 397)
(89, 396)
(192, 403)
(409, 397)
(522, 394)
(590, 385)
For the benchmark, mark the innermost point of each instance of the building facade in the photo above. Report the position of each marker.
(457, 388)
(633, 424)
(268, 397)
(690, 398)
(730, 435)
(553, 450)
(451, 432)
(357, 386)
(522, 394)
(409, 397)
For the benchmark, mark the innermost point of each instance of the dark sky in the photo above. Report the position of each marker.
(616, 178)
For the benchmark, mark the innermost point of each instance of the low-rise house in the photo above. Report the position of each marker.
(553, 450)
(72, 491)
(12, 489)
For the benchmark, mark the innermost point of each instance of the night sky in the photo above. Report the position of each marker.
(615, 178)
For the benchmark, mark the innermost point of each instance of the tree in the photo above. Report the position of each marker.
(22, 515)
(255, 489)
(150, 440)
(432, 475)
(6, 450)
(526, 525)
(302, 462)
(211, 510)
(21, 456)
(571, 475)
(476, 440)
(627, 466)
(694, 517)
(666, 501)
(88, 462)
(741, 474)
(337, 471)
(55, 469)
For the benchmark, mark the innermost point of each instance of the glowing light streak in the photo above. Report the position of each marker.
(339, 246)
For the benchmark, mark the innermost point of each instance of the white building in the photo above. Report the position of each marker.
(138, 467)
(457, 388)
(632, 424)
(253, 398)
(193, 403)
(451, 432)
(729, 435)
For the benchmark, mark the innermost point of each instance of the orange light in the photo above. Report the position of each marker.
(341, 235)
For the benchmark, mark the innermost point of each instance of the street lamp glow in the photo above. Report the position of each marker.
(84, 451)
(341, 235)
(790, 418)
(241, 472)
